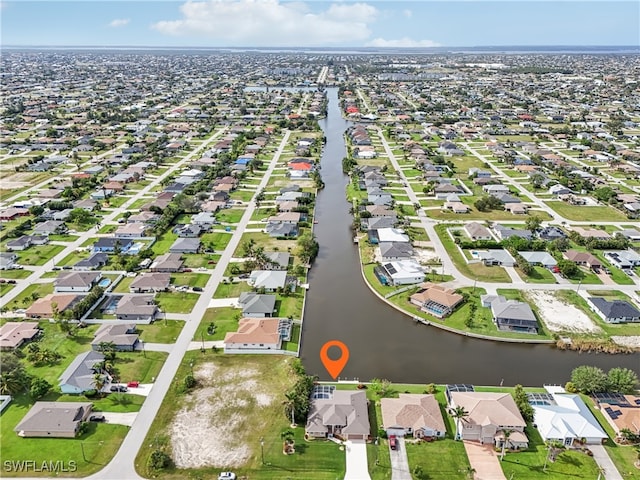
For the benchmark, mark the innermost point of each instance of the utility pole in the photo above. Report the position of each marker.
(262, 449)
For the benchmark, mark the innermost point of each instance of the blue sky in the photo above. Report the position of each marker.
(277, 23)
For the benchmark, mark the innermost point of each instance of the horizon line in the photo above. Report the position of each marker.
(433, 47)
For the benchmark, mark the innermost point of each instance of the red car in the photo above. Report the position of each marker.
(133, 384)
(393, 442)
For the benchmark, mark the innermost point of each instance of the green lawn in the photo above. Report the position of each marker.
(587, 213)
(63, 238)
(5, 287)
(264, 240)
(225, 319)
(190, 279)
(290, 306)
(176, 302)
(476, 271)
(321, 460)
(17, 274)
(230, 215)
(73, 258)
(123, 285)
(30, 294)
(197, 260)
(161, 331)
(90, 452)
(68, 346)
(443, 459)
(539, 275)
(139, 366)
(215, 241)
(164, 242)
(586, 277)
(39, 255)
(231, 290)
(529, 463)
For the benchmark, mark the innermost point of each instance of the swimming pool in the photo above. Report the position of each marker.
(105, 282)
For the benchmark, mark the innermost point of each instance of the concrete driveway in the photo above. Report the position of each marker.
(121, 418)
(400, 462)
(603, 460)
(484, 461)
(357, 467)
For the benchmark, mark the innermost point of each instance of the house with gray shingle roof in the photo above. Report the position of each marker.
(54, 419)
(123, 336)
(255, 305)
(79, 375)
(339, 413)
(539, 258)
(512, 315)
(616, 311)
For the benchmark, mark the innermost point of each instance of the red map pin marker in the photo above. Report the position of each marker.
(334, 367)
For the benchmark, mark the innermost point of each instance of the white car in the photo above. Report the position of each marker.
(227, 476)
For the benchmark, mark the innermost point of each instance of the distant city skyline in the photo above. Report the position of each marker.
(277, 23)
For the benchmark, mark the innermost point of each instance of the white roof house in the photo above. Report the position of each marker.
(392, 235)
(404, 272)
(568, 420)
(539, 258)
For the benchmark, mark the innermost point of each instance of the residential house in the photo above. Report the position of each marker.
(94, 261)
(477, 231)
(54, 419)
(583, 258)
(277, 260)
(185, 245)
(130, 230)
(79, 376)
(275, 230)
(592, 233)
(44, 307)
(169, 262)
(436, 300)
(270, 280)
(14, 334)
(624, 259)
(338, 413)
(511, 315)
(122, 336)
(150, 283)
(136, 307)
(539, 258)
(567, 420)
(630, 233)
(375, 223)
(551, 233)
(111, 245)
(387, 235)
(26, 241)
(416, 415)
(50, 227)
(616, 311)
(76, 281)
(377, 196)
(255, 305)
(507, 232)
(496, 257)
(489, 414)
(400, 272)
(390, 251)
(204, 218)
(258, 334)
(7, 260)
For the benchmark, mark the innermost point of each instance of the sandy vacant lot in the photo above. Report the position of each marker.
(560, 316)
(213, 427)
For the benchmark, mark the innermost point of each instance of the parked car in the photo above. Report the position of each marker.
(187, 270)
(197, 289)
(133, 384)
(97, 418)
(227, 476)
(118, 388)
(393, 442)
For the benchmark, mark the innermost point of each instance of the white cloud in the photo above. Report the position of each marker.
(271, 23)
(407, 13)
(119, 22)
(403, 42)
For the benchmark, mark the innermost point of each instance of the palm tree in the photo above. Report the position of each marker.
(99, 381)
(505, 440)
(9, 384)
(459, 414)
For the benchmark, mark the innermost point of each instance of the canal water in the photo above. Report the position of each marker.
(384, 343)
